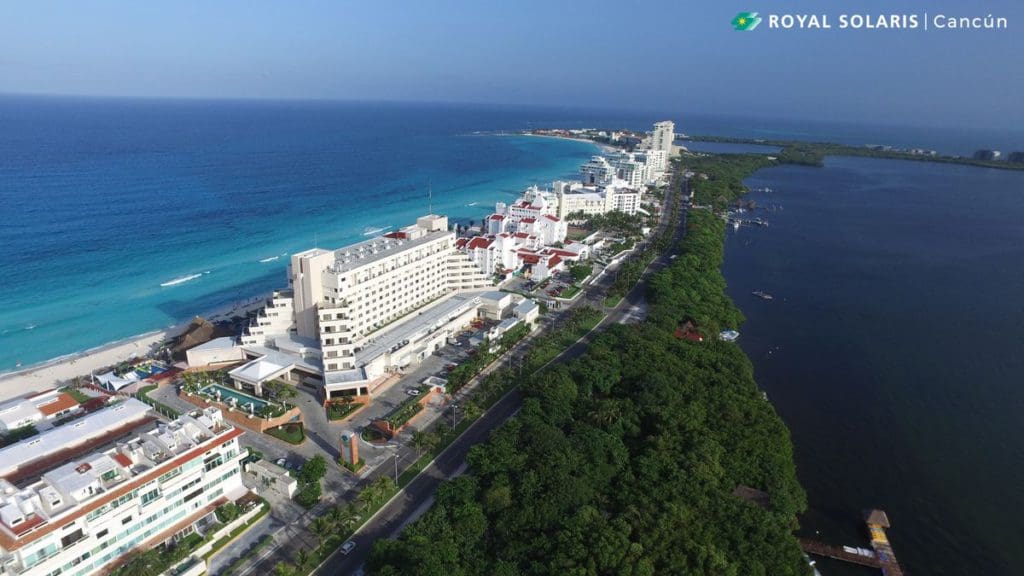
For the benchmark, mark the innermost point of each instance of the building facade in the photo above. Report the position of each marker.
(339, 301)
(83, 516)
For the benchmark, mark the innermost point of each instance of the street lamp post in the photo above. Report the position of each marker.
(455, 414)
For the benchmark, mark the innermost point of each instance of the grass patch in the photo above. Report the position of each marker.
(372, 435)
(569, 292)
(77, 394)
(291, 433)
(341, 410)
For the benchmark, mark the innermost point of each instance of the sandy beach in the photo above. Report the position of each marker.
(605, 148)
(59, 371)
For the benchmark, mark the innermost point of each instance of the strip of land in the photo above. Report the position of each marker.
(814, 153)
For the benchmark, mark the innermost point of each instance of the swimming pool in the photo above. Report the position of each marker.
(241, 401)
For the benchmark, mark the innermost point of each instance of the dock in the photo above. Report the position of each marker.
(880, 557)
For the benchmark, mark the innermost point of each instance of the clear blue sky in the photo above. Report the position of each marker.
(679, 56)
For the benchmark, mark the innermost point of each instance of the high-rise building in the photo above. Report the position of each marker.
(663, 136)
(340, 300)
(65, 510)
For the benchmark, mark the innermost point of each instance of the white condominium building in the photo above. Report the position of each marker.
(534, 214)
(90, 509)
(596, 171)
(663, 136)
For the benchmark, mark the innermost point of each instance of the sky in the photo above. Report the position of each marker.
(677, 56)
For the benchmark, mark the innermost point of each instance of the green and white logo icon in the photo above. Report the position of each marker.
(746, 21)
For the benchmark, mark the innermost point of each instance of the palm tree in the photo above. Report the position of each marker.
(423, 441)
(346, 515)
(301, 556)
(383, 485)
(322, 526)
(283, 569)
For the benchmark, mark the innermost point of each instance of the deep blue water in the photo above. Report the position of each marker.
(892, 350)
(105, 200)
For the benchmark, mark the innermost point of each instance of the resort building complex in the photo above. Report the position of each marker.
(354, 315)
(77, 499)
(529, 235)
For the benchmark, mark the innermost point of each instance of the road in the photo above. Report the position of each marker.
(409, 503)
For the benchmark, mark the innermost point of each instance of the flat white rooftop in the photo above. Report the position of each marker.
(416, 325)
(224, 342)
(72, 434)
(369, 251)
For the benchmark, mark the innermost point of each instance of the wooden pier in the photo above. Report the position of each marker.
(880, 557)
(838, 553)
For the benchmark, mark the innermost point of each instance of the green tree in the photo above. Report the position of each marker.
(314, 469)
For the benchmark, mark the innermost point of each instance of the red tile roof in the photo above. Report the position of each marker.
(528, 220)
(552, 218)
(479, 242)
(61, 403)
(123, 460)
(522, 235)
(497, 217)
(554, 261)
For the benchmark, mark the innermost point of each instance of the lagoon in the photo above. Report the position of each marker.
(892, 350)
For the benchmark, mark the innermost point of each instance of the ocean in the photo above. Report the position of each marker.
(892, 351)
(127, 216)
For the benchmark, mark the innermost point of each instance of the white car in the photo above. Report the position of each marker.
(412, 392)
(348, 547)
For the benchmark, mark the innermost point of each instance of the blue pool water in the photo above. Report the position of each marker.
(243, 400)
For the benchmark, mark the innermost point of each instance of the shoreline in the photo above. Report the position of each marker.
(58, 371)
(604, 148)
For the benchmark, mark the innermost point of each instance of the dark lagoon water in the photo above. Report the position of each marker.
(893, 350)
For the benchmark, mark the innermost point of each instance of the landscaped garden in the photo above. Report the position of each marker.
(291, 432)
(404, 412)
(339, 410)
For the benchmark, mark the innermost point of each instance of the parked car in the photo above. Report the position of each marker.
(412, 392)
(348, 547)
(281, 462)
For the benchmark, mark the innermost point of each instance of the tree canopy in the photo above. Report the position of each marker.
(625, 460)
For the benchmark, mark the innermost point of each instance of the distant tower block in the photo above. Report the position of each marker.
(350, 448)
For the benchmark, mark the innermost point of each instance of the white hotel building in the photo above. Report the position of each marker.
(71, 510)
(329, 328)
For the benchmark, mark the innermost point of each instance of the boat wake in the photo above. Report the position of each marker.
(472, 204)
(271, 259)
(181, 280)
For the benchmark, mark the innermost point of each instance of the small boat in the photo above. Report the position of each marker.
(735, 224)
(728, 335)
(762, 295)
